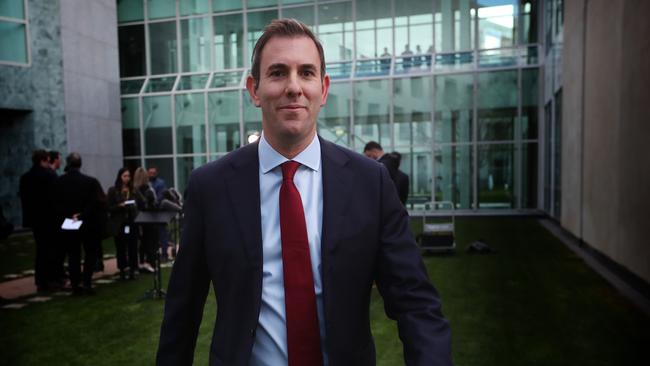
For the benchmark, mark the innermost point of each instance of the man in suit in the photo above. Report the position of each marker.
(35, 196)
(293, 231)
(80, 197)
(391, 161)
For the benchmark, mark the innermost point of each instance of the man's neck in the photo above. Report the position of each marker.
(289, 149)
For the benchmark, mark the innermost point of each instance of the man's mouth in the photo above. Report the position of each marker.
(292, 107)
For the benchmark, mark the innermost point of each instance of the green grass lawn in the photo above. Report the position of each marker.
(17, 253)
(532, 303)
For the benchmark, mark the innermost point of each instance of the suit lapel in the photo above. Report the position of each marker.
(244, 193)
(336, 179)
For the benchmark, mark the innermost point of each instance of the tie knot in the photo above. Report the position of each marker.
(289, 169)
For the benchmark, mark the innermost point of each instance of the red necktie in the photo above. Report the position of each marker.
(303, 331)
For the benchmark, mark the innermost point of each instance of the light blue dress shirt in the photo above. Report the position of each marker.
(270, 347)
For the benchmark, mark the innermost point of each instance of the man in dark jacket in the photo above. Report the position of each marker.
(80, 197)
(35, 186)
(401, 179)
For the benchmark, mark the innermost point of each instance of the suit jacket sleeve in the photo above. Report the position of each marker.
(188, 288)
(409, 297)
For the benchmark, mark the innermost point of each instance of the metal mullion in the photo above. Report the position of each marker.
(518, 163)
(206, 120)
(434, 145)
(179, 47)
(157, 94)
(147, 40)
(540, 138)
(141, 122)
(213, 61)
(15, 20)
(224, 89)
(174, 142)
(352, 133)
(475, 141)
(245, 37)
(391, 117)
(135, 22)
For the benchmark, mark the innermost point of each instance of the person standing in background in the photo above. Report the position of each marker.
(146, 200)
(36, 199)
(122, 210)
(159, 187)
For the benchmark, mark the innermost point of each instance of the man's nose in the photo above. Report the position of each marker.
(293, 85)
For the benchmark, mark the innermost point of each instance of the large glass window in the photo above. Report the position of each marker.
(132, 50)
(256, 23)
(162, 48)
(454, 25)
(130, 127)
(335, 30)
(130, 10)
(13, 42)
(454, 102)
(252, 118)
(412, 110)
(190, 7)
(416, 163)
(157, 9)
(496, 23)
(497, 105)
(190, 123)
(223, 109)
(261, 3)
(496, 176)
(303, 13)
(374, 28)
(453, 174)
(12, 9)
(413, 31)
(228, 41)
(195, 36)
(157, 122)
(184, 166)
(529, 103)
(334, 117)
(371, 112)
(227, 5)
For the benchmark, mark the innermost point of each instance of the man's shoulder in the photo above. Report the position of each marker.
(225, 165)
(346, 157)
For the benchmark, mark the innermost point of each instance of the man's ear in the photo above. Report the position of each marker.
(251, 86)
(326, 88)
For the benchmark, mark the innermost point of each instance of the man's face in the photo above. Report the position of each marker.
(373, 153)
(56, 164)
(291, 91)
(152, 172)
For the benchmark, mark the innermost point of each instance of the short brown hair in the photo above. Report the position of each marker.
(287, 27)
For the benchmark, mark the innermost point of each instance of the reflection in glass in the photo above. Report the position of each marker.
(225, 5)
(184, 166)
(454, 25)
(252, 117)
(529, 103)
(261, 3)
(192, 82)
(223, 122)
(414, 33)
(371, 111)
(497, 105)
(195, 33)
(14, 42)
(529, 175)
(130, 10)
(303, 13)
(157, 9)
(131, 86)
(374, 28)
(454, 61)
(453, 170)
(132, 50)
(190, 123)
(453, 119)
(334, 117)
(165, 168)
(156, 114)
(226, 79)
(130, 127)
(162, 84)
(412, 111)
(190, 7)
(256, 23)
(416, 163)
(228, 41)
(498, 57)
(339, 70)
(496, 24)
(335, 30)
(496, 176)
(163, 51)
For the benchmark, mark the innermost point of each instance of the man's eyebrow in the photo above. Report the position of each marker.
(278, 66)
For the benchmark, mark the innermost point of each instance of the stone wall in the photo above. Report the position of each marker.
(31, 104)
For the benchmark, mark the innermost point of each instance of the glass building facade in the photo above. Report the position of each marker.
(453, 85)
(14, 33)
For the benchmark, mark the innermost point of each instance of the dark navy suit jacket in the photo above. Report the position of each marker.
(366, 239)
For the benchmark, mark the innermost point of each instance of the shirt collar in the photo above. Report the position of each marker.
(270, 159)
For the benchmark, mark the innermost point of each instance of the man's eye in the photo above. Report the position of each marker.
(308, 73)
(276, 73)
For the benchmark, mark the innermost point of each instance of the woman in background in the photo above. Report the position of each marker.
(122, 209)
(145, 198)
